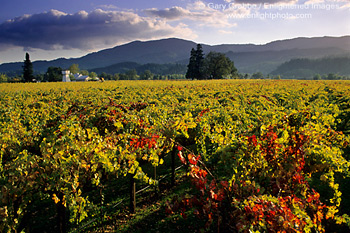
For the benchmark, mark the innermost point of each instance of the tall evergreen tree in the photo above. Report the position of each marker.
(199, 74)
(28, 69)
(195, 65)
(190, 74)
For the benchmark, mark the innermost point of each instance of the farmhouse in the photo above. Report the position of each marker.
(81, 78)
(77, 77)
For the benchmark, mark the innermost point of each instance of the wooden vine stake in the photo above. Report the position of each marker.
(61, 214)
(155, 178)
(132, 194)
(173, 153)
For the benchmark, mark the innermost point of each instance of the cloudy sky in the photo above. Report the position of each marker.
(50, 29)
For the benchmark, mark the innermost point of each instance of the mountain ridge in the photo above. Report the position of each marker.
(175, 50)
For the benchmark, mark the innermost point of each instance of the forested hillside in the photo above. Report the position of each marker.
(307, 68)
(248, 58)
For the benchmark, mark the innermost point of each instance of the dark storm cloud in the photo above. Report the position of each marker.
(82, 30)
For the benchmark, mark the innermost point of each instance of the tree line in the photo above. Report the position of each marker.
(214, 65)
(54, 74)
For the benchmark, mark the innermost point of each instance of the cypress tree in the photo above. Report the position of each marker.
(196, 64)
(190, 74)
(199, 74)
(28, 69)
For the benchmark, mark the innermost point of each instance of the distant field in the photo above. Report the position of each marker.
(258, 155)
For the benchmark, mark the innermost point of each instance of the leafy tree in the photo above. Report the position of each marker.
(218, 66)
(332, 76)
(258, 75)
(116, 76)
(157, 77)
(84, 72)
(3, 78)
(147, 75)
(74, 69)
(123, 77)
(92, 75)
(28, 69)
(106, 76)
(53, 74)
(131, 74)
(317, 77)
(243, 76)
(39, 77)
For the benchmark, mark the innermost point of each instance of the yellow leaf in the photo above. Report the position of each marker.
(55, 198)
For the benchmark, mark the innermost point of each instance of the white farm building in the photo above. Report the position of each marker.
(81, 78)
(78, 77)
(66, 77)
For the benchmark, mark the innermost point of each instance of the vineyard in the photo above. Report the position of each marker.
(251, 156)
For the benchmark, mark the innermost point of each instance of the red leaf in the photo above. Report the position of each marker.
(192, 159)
(183, 160)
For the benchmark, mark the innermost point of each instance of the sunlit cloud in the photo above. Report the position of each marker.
(262, 1)
(200, 13)
(225, 32)
(110, 7)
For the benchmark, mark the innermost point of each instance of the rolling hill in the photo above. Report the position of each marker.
(308, 68)
(248, 58)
